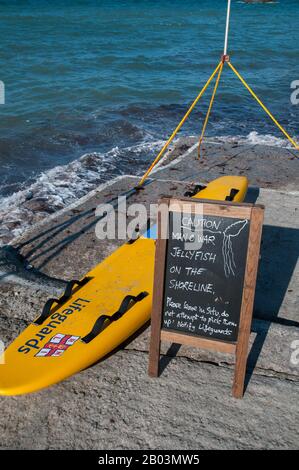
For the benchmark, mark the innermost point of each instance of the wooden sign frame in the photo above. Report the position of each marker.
(255, 214)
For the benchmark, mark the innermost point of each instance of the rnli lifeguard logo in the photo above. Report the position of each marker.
(57, 345)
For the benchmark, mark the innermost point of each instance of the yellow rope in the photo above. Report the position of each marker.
(219, 70)
(264, 107)
(210, 108)
(158, 157)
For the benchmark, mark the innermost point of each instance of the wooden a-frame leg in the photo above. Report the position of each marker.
(255, 234)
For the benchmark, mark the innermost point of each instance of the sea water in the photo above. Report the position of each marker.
(93, 88)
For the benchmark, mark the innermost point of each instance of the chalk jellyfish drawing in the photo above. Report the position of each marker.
(230, 232)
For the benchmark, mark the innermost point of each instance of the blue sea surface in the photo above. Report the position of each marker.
(115, 77)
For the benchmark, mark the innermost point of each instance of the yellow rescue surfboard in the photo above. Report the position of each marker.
(93, 318)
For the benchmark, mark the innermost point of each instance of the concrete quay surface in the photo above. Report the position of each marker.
(114, 404)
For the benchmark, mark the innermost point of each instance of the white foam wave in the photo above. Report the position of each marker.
(254, 138)
(58, 187)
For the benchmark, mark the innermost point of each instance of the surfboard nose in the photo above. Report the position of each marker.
(233, 188)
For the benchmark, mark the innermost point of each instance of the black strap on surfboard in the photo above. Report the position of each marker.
(104, 320)
(232, 194)
(196, 189)
(66, 296)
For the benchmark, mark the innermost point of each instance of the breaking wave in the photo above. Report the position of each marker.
(254, 138)
(55, 189)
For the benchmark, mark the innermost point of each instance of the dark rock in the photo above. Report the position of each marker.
(41, 204)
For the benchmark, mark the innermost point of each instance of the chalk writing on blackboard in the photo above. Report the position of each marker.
(188, 233)
(203, 287)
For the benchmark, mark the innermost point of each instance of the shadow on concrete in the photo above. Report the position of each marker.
(252, 195)
(170, 354)
(52, 241)
(44, 239)
(52, 232)
(15, 267)
(279, 256)
(123, 345)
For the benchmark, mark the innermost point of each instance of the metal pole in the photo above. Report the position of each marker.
(227, 28)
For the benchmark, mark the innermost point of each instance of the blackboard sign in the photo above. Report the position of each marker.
(203, 286)
(205, 276)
